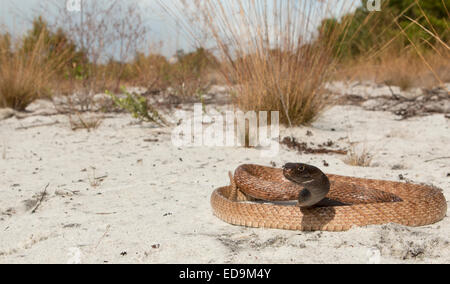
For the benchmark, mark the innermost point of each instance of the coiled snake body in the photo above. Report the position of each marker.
(259, 197)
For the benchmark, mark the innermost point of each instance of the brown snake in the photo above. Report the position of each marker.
(259, 197)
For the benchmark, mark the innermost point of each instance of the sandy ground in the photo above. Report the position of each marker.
(148, 201)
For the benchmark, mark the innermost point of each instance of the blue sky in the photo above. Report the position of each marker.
(16, 16)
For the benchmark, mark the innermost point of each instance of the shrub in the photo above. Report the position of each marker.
(25, 73)
(188, 75)
(138, 107)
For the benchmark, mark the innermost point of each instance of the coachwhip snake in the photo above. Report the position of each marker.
(262, 197)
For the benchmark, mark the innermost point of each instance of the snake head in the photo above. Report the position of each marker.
(315, 182)
(301, 173)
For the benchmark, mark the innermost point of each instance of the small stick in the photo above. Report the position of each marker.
(44, 193)
(394, 95)
(102, 177)
(441, 158)
(104, 235)
(37, 125)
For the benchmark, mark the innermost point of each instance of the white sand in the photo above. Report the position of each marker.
(153, 206)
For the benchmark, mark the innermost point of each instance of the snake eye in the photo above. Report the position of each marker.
(301, 168)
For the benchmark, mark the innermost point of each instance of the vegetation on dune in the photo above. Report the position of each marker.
(28, 67)
(274, 54)
(45, 59)
(268, 51)
(406, 44)
(151, 71)
(399, 24)
(54, 44)
(138, 107)
(188, 75)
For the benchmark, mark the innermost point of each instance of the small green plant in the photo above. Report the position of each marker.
(138, 107)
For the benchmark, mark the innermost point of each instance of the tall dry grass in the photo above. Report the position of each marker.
(25, 74)
(403, 69)
(440, 49)
(270, 51)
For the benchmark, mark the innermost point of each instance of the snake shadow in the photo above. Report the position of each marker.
(319, 215)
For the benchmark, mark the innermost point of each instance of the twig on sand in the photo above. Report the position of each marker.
(37, 125)
(43, 194)
(394, 95)
(102, 237)
(441, 158)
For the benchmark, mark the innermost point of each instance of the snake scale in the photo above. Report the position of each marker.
(262, 197)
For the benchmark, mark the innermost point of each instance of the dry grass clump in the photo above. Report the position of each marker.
(289, 82)
(89, 123)
(25, 73)
(358, 156)
(270, 50)
(94, 181)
